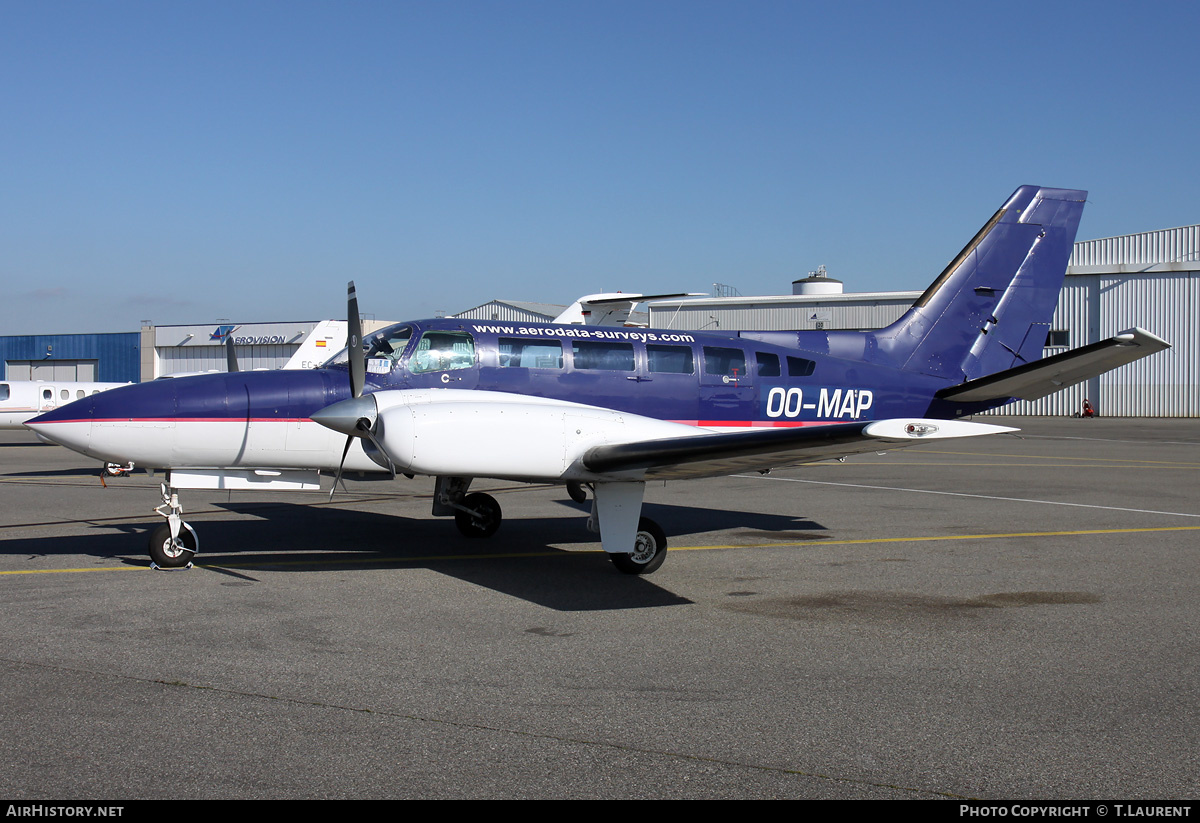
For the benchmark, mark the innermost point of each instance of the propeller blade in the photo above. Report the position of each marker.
(369, 430)
(337, 478)
(358, 362)
(354, 418)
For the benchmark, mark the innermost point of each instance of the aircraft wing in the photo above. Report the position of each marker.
(1046, 376)
(721, 453)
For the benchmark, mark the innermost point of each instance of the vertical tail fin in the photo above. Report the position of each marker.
(990, 309)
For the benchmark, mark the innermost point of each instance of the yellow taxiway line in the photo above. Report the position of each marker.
(376, 561)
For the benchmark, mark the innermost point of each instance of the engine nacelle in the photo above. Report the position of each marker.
(492, 434)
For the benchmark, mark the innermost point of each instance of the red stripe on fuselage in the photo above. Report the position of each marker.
(754, 424)
(183, 420)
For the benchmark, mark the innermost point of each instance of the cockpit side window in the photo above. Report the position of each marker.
(4, 391)
(443, 351)
(387, 343)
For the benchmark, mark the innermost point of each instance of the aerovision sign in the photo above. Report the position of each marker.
(246, 334)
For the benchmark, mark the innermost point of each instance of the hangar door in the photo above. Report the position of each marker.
(57, 371)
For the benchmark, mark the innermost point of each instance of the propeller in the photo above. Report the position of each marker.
(355, 417)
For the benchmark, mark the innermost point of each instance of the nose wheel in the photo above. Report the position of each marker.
(174, 543)
(169, 552)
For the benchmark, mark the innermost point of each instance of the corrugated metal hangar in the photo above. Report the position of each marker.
(86, 358)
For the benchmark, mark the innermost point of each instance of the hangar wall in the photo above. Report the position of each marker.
(852, 312)
(103, 358)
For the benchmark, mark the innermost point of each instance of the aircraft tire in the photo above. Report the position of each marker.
(576, 491)
(484, 518)
(172, 557)
(650, 550)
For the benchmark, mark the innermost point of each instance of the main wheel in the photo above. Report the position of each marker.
(649, 550)
(172, 554)
(483, 518)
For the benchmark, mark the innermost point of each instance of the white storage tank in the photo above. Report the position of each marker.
(817, 282)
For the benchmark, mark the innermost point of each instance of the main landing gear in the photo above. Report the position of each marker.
(174, 543)
(616, 517)
(476, 514)
(479, 515)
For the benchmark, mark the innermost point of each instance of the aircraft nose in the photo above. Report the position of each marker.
(102, 425)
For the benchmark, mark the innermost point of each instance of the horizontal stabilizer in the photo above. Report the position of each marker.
(708, 455)
(1046, 376)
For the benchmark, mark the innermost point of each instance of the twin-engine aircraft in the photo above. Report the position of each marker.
(612, 408)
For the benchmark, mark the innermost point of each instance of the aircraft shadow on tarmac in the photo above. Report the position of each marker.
(519, 561)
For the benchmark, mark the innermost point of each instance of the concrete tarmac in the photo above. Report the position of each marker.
(1004, 617)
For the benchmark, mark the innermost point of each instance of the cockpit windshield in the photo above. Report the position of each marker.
(386, 343)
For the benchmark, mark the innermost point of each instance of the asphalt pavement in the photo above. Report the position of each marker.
(1003, 617)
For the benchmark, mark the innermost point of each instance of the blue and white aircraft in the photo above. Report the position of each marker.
(612, 407)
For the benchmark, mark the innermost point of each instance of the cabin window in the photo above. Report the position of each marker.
(800, 367)
(530, 354)
(80, 394)
(65, 394)
(722, 362)
(47, 394)
(602, 356)
(443, 351)
(3, 391)
(95, 391)
(768, 364)
(670, 360)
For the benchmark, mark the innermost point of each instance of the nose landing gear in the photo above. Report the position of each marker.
(174, 543)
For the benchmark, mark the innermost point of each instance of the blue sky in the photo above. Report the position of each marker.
(183, 161)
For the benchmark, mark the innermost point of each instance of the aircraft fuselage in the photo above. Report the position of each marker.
(712, 381)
